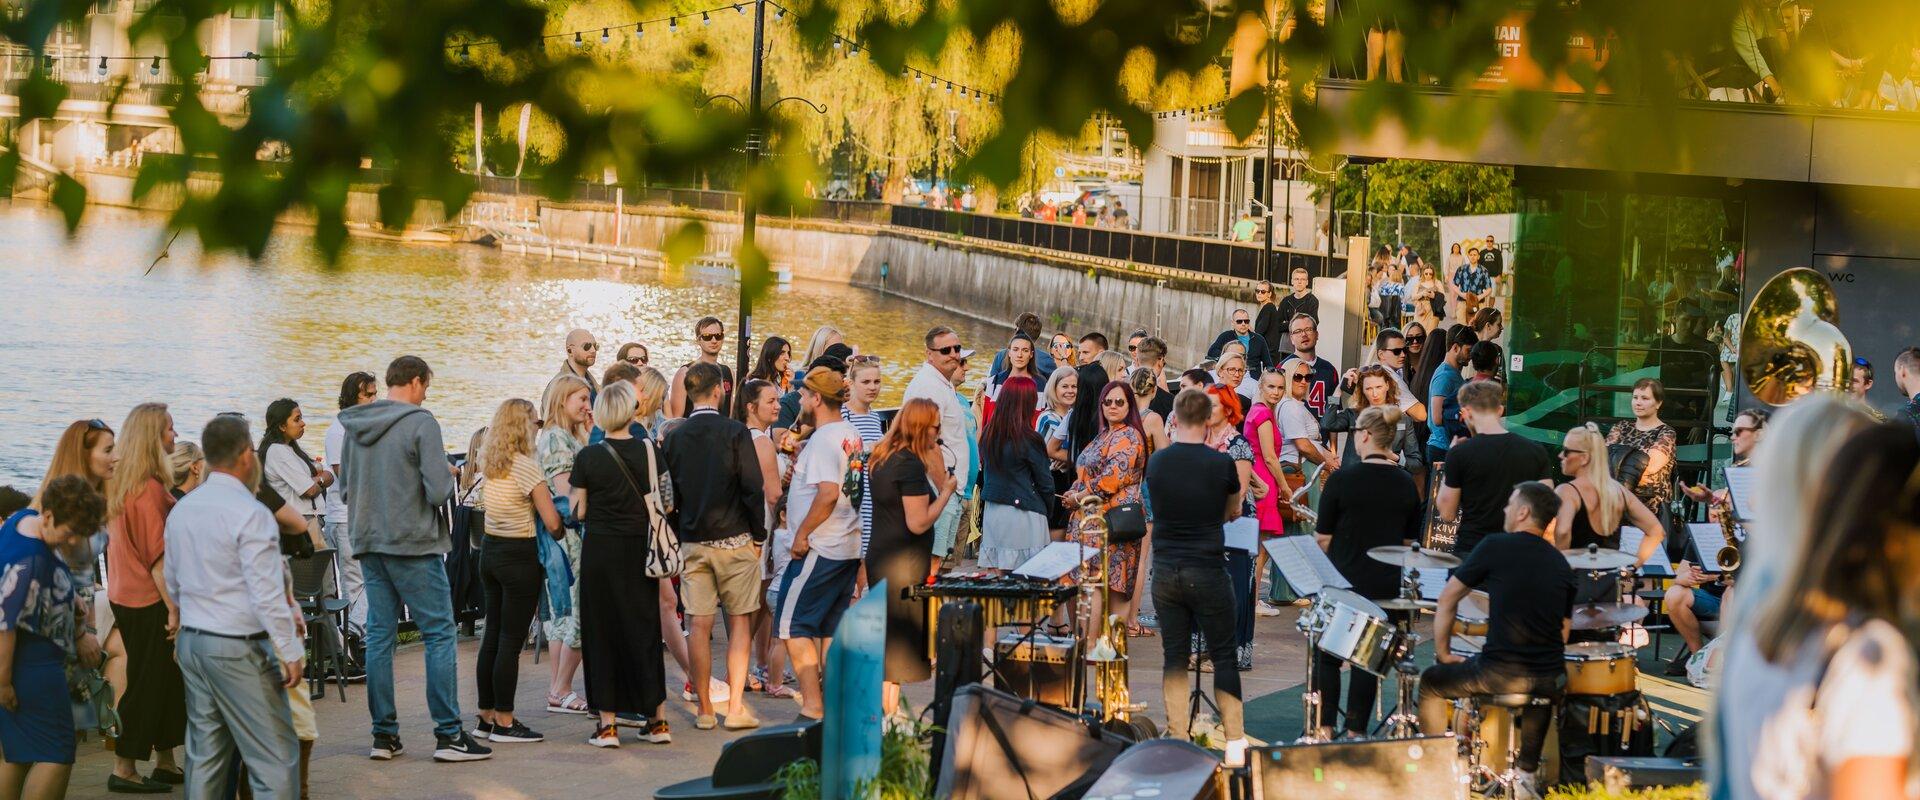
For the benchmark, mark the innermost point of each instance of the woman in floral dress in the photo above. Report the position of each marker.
(1111, 468)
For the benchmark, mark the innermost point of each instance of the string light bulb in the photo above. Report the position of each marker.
(704, 19)
(103, 65)
(739, 9)
(605, 36)
(577, 41)
(779, 12)
(673, 25)
(464, 55)
(154, 68)
(639, 30)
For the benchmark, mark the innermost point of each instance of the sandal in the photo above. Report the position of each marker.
(1139, 631)
(570, 704)
(754, 684)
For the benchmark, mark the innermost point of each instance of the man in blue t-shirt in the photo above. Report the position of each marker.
(1443, 408)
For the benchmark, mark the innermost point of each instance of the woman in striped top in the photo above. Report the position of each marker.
(863, 376)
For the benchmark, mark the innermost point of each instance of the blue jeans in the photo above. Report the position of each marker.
(419, 582)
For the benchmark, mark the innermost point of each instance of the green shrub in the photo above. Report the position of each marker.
(1591, 792)
(904, 763)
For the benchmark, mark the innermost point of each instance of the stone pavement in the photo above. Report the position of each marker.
(565, 766)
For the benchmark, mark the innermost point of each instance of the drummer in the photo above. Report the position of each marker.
(1593, 505)
(1366, 504)
(1530, 607)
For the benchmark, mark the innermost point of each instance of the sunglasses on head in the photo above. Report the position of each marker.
(948, 350)
(712, 337)
(97, 424)
(1861, 362)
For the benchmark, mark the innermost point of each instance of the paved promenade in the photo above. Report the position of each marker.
(564, 766)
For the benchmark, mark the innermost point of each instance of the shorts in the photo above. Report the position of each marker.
(712, 578)
(305, 727)
(947, 528)
(1705, 604)
(815, 593)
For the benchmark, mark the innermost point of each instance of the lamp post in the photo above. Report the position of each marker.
(1273, 40)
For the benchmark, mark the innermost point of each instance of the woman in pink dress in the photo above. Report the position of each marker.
(1263, 431)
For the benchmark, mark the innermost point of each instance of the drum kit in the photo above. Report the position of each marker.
(1379, 636)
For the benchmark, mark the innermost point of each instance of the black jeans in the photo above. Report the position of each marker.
(1443, 682)
(510, 573)
(1186, 598)
(1362, 688)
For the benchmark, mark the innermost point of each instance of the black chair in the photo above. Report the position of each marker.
(325, 615)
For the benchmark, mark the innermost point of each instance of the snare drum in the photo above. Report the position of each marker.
(1470, 616)
(1600, 668)
(1358, 632)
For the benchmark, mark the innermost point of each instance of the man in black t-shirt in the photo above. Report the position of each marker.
(1483, 470)
(1530, 590)
(1490, 259)
(1195, 489)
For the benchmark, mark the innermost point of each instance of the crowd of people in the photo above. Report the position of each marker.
(624, 514)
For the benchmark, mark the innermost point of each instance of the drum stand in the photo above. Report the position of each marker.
(1404, 722)
(1310, 699)
(1196, 695)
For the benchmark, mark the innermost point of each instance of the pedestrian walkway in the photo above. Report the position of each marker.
(565, 766)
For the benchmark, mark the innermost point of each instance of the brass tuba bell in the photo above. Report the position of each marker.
(1790, 339)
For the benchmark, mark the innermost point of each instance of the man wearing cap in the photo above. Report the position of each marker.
(819, 582)
(934, 381)
(834, 357)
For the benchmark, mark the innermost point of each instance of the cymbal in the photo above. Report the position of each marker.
(1403, 556)
(1600, 616)
(1589, 558)
(1405, 604)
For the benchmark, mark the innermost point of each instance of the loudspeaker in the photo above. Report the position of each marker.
(1423, 767)
(746, 766)
(1002, 747)
(1621, 774)
(959, 636)
(1169, 769)
(1050, 669)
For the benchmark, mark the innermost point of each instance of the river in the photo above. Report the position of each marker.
(87, 332)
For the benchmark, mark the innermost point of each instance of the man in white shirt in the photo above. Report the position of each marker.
(819, 581)
(225, 571)
(358, 389)
(934, 381)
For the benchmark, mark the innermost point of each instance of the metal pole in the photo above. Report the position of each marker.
(749, 208)
(1273, 34)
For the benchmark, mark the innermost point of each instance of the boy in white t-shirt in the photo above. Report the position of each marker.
(819, 583)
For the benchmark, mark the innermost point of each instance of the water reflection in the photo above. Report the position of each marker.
(86, 334)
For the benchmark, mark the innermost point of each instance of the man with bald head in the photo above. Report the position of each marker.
(582, 351)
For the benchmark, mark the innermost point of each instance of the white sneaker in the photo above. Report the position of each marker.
(1266, 609)
(1236, 754)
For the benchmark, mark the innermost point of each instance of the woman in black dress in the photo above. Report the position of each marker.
(619, 605)
(911, 485)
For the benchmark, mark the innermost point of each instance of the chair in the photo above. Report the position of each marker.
(1517, 705)
(323, 613)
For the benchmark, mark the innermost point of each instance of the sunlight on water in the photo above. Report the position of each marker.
(85, 334)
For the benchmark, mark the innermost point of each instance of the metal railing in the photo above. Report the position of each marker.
(1208, 256)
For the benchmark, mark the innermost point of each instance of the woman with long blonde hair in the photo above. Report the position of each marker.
(510, 570)
(1593, 504)
(153, 709)
(910, 486)
(566, 419)
(823, 337)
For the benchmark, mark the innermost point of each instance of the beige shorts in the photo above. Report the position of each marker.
(712, 578)
(301, 704)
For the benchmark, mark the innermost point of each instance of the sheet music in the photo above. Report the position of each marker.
(1707, 541)
(1657, 564)
(1740, 488)
(1433, 581)
(1055, 560)
(1304, 565)
(1243, 534)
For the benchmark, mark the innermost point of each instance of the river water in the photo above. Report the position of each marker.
(87, 332)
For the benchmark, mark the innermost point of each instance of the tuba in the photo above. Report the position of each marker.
(1790, 340)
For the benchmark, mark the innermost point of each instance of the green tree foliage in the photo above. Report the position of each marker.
(1400, 186)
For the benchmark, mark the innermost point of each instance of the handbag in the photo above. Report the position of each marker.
(1126, 523)
(1291, 478)
(663, 545)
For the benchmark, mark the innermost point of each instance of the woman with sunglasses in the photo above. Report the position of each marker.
(1111, 469)
(1063, 388)
(633, 353)
(1377, 388)
(776, 355)
(1593, 505)
(1429, 297)
(1063, 352)
(1269, 321)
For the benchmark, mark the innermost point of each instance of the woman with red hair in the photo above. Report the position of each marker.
(1018, 481)
(910, 484)
(1243, 532)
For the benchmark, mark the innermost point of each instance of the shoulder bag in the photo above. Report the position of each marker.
(663, 546)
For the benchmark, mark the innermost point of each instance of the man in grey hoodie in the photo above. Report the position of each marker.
(398, 475)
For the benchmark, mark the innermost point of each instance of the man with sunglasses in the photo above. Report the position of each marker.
(934, 381)
(582, 351)
(1259, 353)
(712, 336)
(1325, 379)
(1695, 593)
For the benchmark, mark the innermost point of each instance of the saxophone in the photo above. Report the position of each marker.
(1108, 655)
(1729, 556)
